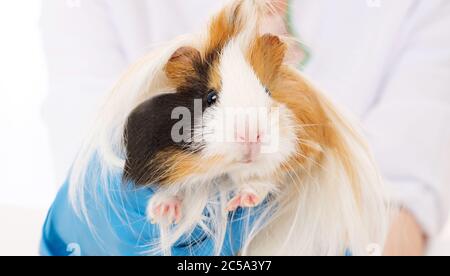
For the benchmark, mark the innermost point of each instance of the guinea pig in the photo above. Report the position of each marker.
(229, 85)
(221, 122)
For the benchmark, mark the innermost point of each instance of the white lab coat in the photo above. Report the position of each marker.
(388, 62)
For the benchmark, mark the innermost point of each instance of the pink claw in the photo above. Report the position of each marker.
(245, 200)
(168, 211)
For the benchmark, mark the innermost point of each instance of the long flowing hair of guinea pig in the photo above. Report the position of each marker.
(327, 210)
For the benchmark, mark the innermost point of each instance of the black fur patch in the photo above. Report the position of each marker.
(149, 127)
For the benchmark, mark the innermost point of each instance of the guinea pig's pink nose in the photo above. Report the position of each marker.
(251, 147)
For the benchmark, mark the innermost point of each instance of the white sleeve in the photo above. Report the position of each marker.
(409, 125)
(84, 57)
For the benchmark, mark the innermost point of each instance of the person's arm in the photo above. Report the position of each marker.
(406, 237)
(409, 129)
(84, 57)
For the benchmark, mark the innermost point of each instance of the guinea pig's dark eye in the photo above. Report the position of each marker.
(212, 97)
(268, 92)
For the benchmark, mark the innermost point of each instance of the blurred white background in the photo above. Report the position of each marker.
(28, 184)
(26, 167)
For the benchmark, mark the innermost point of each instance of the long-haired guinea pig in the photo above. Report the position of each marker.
(219, 122)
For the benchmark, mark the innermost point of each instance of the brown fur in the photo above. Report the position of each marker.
(177, 165)
(224, 26)
(311, 111)
(181, 65)
(266, 55)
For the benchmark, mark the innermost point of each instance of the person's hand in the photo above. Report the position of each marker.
(406, 237)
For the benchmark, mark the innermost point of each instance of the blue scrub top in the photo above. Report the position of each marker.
(119, 226)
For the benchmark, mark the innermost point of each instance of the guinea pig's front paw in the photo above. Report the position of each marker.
(246, 198)
(243, 199)
(163, 209)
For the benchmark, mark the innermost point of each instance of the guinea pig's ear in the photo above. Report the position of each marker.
(182, 65)
(267, 55)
